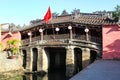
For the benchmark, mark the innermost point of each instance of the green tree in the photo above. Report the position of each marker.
(34, 21)
(116, 12)
(13, 45)
(1, 46)
(64, 12)
(55, 14)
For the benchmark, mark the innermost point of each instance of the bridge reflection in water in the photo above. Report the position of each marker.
(54, 75)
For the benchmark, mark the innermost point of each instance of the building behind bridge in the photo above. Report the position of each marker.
(69, 42)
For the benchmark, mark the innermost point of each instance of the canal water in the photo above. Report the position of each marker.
(52, 75)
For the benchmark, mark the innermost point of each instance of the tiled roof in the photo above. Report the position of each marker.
(83, 18)
(12, 29)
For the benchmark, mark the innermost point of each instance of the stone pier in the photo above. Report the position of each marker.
(70, 67)
(42, 60)
(39, 61)
(85, 57)
(29, 59)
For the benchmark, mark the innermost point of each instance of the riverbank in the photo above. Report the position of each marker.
(11, 74)
(7, 65)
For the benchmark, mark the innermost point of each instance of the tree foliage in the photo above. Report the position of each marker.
(35, 21)
(13, 45)
(55, 14)
(116, 12)
(1, 46)
(64, 12)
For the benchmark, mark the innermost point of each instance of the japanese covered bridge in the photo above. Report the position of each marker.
(66, 42)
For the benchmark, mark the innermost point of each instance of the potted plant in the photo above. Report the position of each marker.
(1, 46)
(13, 47)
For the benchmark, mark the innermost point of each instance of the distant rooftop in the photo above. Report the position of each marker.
(7, 28)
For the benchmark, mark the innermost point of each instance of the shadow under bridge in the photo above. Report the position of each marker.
(56, 58)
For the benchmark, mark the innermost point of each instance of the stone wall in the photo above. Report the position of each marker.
(7, 65)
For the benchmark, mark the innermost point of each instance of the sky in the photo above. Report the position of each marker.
(21, 12)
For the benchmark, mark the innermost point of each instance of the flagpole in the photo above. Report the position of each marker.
(47, 16)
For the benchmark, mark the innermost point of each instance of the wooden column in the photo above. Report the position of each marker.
(30, 37)
(41, 34)
(71, 35)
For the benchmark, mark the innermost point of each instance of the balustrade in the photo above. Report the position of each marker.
(64, 37)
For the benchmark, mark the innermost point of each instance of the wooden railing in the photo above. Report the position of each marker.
(60, 36)
(63, 36)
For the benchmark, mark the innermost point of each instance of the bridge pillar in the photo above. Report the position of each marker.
(85, 57)
(39, 61)
(70, 66)
(29, 59)
(42, 64)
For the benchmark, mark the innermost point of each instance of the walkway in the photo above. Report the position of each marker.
(100, 70)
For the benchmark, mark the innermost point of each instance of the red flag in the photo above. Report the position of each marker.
(48, 15)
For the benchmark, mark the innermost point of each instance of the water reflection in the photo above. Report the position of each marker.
(56, 74)
(35, 77)
(52, 75)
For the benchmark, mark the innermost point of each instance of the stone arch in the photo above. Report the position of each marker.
(78, 59)
(24, 53)
(93, 55)
(56, 57)
(35, 58)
